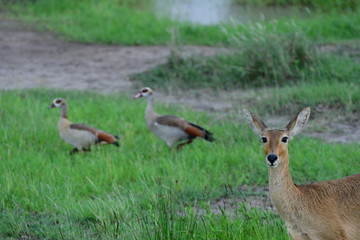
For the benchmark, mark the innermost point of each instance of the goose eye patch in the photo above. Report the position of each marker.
(58, 101)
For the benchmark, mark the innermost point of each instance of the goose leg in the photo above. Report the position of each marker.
(179, 147)
(75, 150)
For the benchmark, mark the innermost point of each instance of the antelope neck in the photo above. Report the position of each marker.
(281, 184)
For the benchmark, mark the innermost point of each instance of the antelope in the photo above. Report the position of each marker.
(79, 135)
(328, 210)
(172, 129)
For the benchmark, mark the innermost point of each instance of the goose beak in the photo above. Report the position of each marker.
(51, 106)
(138, 95)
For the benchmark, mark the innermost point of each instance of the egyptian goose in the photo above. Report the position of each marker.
(79, 135)
(171, 129)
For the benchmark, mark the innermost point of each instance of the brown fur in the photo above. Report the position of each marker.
(327, 210)
(274, 143)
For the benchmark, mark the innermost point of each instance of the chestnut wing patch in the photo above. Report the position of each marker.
(208, 136)
(106, 137)
(194, 131)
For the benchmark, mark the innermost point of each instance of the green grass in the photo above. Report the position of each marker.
(140, 190)
(262, 60)
(343, 97)
(110, 22)
(132, 23)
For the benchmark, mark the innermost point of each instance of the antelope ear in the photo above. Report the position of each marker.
(256, 124)
(296, 125)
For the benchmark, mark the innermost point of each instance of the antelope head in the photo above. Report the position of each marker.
(275, 141)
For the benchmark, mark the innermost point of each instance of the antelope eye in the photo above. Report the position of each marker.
(58, 101)
(284, 139)
(263, 139)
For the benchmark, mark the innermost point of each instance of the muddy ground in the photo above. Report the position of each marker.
(32, 59)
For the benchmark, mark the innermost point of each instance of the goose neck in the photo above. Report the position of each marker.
(64, 110)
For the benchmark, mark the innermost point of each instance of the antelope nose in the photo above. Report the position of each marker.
(272, 158)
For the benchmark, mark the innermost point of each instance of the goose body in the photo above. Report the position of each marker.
(80, 136)
(171, 129)
(170, 134)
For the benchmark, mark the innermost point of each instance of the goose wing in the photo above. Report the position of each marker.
(101, 135)
(174, 121)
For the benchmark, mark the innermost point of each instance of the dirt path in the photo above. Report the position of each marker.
(31, 59)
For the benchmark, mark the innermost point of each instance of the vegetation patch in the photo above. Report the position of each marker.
(255, 60)
(110, 21)
(140, 190)
(336, 97)
(133, 23)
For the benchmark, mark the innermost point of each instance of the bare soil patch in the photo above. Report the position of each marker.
(252, 197)
(33, 59)
(348, 49)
